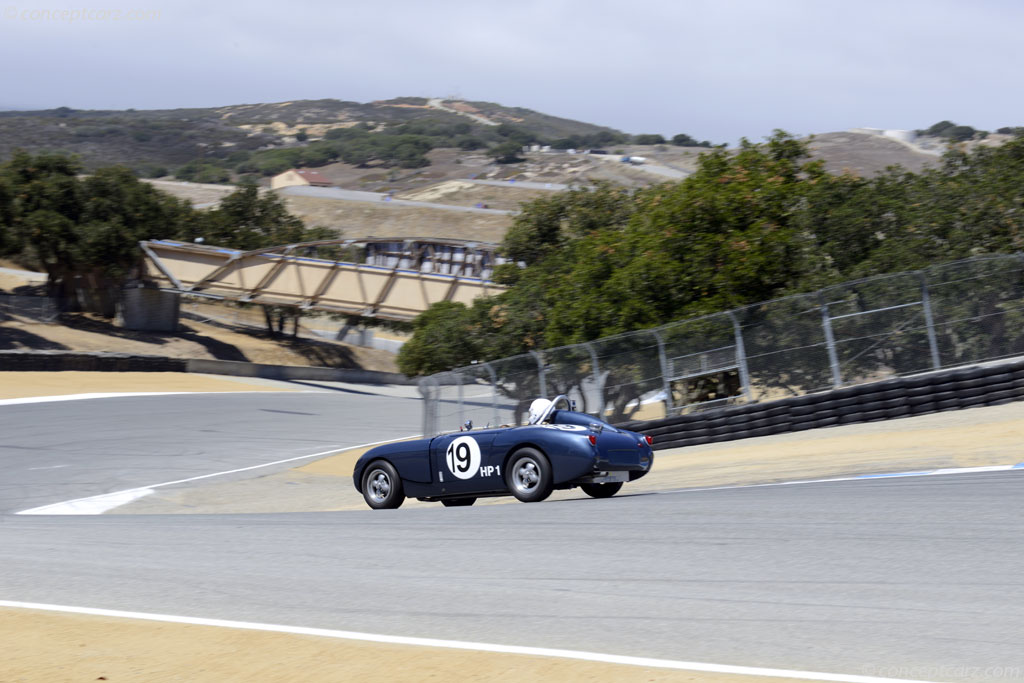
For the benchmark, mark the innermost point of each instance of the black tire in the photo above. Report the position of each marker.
(457, 502)
(528, 475)
(871, 406)
(1008, 395)
(1000, 386)
(765, 431)
(889, 394)
(601, 490)
(382, 487)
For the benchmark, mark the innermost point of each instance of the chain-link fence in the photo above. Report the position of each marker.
(944, 316)
(37, 308)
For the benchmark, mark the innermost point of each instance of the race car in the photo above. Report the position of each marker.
(558, 449)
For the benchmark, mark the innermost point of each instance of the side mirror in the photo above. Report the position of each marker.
(596, 427)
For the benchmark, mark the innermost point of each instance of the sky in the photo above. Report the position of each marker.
(717, 70)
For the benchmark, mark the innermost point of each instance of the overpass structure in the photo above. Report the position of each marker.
(397, 280)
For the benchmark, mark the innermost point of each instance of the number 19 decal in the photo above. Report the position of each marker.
(463, 457)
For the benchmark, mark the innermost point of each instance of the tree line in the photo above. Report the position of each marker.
(83, 231)
(403, 146)
(747, 226)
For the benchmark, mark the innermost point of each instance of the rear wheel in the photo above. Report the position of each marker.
(601, 490)
(382, 488)
(458, 502)
(528, 475)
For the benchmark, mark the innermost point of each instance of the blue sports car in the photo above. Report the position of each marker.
(558, 449)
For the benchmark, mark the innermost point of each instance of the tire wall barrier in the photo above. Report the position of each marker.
(122, 362)
(965, 387)
(87, 362)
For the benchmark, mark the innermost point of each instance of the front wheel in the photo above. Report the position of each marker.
(528, 475)
(382, 488)
(601, 490)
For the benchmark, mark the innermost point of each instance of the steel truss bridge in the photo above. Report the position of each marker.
(398, 280)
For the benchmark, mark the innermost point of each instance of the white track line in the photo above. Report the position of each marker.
(859, 477)
(96, 505)
(123, 394)
(462, 645)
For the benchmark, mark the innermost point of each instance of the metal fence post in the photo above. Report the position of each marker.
(462, 403)
(933, 345)
(598, 384)
(494, 393)
(663, 361)
(540, 373)
(429, 404)
(830, 344)
(741, 355)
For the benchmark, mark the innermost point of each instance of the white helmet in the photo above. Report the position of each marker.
(537, 409)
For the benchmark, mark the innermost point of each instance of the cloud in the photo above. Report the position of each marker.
(716, 70)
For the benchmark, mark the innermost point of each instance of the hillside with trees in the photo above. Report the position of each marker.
(746, 227)
(223, 143)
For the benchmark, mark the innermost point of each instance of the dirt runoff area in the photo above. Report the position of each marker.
(35, 384)
(194, 339)
(53, 647)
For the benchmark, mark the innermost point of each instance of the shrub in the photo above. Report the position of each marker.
(648, 139)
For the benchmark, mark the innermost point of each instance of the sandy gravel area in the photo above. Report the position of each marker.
(366, 219)
(194, 339)
(28, 384)
(57, 648)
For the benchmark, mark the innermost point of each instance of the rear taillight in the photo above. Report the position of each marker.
(593, 439)
(649, 439)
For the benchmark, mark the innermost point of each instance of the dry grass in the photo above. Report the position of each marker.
(365, 219)
(460, 193)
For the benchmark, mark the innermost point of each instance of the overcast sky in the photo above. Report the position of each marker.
(715, 69)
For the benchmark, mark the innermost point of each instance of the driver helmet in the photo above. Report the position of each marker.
(537, 409)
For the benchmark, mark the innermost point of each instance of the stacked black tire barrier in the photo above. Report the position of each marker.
(88, 362)
(966, 387)
(101, 361)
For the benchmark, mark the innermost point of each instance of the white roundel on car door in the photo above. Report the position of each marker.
(463, 457)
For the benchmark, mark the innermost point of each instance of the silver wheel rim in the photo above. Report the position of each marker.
(526, 475)
(378, 486)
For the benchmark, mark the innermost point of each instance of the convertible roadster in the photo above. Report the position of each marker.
(559, 449)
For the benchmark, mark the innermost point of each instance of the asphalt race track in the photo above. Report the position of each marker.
(59, 451)
(850, 577)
